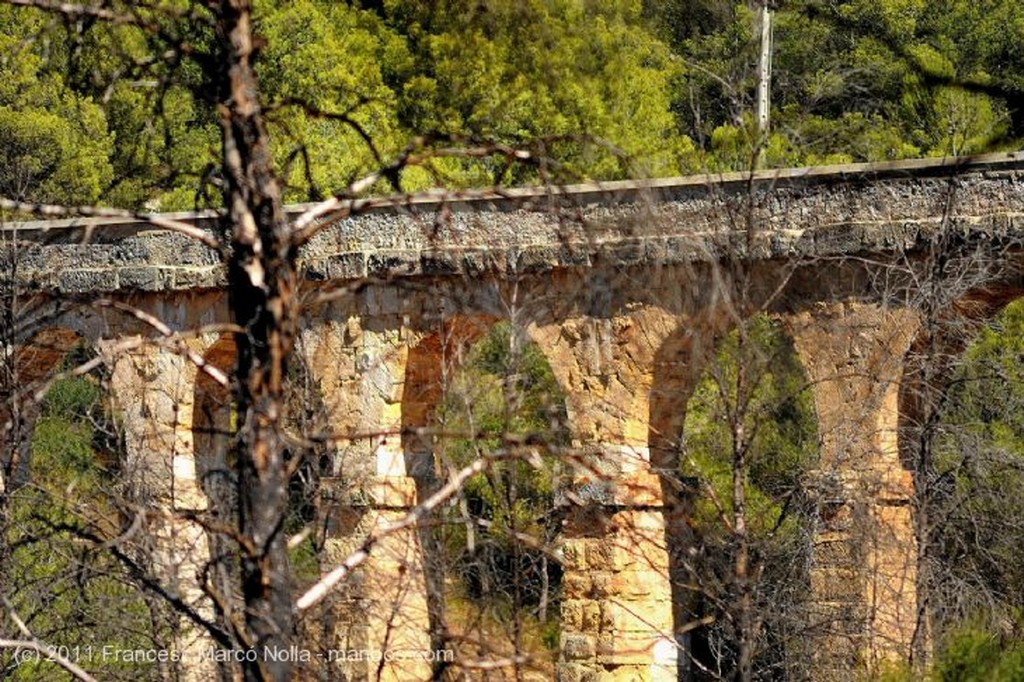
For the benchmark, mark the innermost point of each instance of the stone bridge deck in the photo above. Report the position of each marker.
(798, 213)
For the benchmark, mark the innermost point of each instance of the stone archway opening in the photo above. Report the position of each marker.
(430, 372)
(67, 505)
(214, 425)
(962, 435)
(479, 389)
(735, 436)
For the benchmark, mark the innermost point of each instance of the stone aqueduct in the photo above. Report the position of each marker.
(625, 288)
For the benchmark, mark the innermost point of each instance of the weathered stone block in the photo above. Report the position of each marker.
(440, 262)
(391, 263)
(577, 672)
(629, 585)
(620, 648)
(627, 553)
(572, 614)
(199, 277)
(621, 253)
(537, 258)
(601, 555)
(580, 615)
(82, 281)
(835, 550)
(638, 489)
(577, 647)
(346, 266)
(574, 553)
(574, 255)
(479, 262)
(145, 279)
(837, 584)
(314, 270)
(591, 616)
(634, 673)
(637, 616)
(577, 585)
(390, 492)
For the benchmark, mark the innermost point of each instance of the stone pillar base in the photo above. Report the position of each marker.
(617, 599)
(179, 556)
(381, 626)
(863, 575)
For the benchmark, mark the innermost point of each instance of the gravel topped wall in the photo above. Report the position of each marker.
(778, 214)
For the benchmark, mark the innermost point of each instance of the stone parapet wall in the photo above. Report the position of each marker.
(796, 212)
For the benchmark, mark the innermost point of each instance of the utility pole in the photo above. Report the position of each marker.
(764, 73)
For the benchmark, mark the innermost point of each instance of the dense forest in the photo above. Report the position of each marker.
(590, 89)
(603, 89)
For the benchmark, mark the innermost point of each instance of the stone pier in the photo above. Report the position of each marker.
(617, 606)
(154, 390)
(863, 576)
(380, 613)
(617, 617)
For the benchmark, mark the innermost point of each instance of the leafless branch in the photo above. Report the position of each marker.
(155, 219)
(31, 643)
(322, 588)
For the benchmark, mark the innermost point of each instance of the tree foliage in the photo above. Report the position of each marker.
(60, 585)
(768, 429)
(606, 89)
(498, 541)
(979, 459)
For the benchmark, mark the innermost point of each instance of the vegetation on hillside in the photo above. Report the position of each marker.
(611, 89)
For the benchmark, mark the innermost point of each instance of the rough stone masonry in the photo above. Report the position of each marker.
(626, 288)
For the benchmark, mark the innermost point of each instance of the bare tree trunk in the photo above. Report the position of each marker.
(745, 634)
(545, 586)
(262, 295)
(9, 414)
(5, 550)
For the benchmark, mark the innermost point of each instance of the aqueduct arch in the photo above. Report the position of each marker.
(604, 289)
(32, 363)
(930, 366)
(697, 374)
(864, 556)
